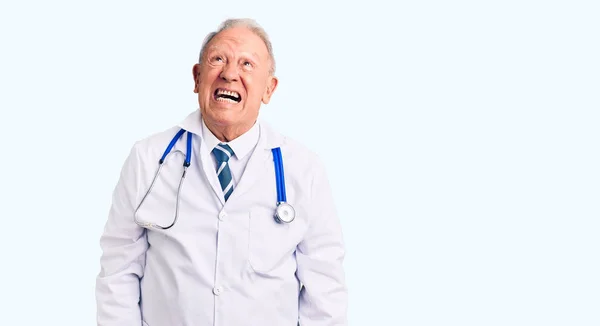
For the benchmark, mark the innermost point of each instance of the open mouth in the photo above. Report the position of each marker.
(223, 95)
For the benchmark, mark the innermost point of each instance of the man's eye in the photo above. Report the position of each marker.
(218, 59)
(247, 64)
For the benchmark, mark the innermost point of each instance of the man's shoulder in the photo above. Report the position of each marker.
(293, 149)
(161, 139)
(158, 140)
(300, 150)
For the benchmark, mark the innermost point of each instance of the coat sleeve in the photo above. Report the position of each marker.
(123, 244)
(320, 255)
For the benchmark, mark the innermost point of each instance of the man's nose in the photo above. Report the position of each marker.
(230, 73)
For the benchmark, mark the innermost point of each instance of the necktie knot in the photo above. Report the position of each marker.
(222, 152)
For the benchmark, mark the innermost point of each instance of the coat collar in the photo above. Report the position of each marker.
(259, 164)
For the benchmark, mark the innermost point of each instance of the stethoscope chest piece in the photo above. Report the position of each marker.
(284, 213)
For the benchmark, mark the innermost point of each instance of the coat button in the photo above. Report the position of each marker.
(217, 290)
(222, 215)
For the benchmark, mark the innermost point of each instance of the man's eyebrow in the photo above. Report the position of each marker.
(252, 55)
(213, 48)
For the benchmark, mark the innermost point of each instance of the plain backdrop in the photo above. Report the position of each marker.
(461, 139)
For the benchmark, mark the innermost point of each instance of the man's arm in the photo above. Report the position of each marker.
(123, 245)
(324, 298)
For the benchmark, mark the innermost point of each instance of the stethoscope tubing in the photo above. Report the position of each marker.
(279, 177)
(160, 165)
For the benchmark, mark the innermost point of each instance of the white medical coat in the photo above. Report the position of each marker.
(222, 263)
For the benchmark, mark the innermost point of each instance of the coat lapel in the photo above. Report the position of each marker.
(209, 173)
(193, 124)
(260, 164)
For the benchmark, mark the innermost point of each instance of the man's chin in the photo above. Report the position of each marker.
(222, 117)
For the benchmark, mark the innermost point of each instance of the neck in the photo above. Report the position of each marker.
(227, 133)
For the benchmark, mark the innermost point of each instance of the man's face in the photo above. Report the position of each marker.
(233, 78)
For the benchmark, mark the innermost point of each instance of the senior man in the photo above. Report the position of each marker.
(200, 243)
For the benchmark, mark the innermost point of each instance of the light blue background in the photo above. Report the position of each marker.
(461, 139)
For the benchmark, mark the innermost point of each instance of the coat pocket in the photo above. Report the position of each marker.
(272, 245)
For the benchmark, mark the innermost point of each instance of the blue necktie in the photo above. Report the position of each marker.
(223, 153)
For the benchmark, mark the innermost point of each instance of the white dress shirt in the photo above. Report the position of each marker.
(242, 147)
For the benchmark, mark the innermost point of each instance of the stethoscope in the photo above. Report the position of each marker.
(284, 212)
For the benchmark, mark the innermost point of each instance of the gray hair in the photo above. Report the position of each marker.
(248, 23)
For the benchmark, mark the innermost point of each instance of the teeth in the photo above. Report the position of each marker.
(229, 93)
(222, 99)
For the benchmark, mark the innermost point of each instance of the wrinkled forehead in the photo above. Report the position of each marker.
(239, 41)
(236, 51)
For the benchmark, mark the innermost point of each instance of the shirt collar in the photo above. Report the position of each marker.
(241, 146)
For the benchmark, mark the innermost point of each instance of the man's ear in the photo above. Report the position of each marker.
(271, 86)
(195, 73)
